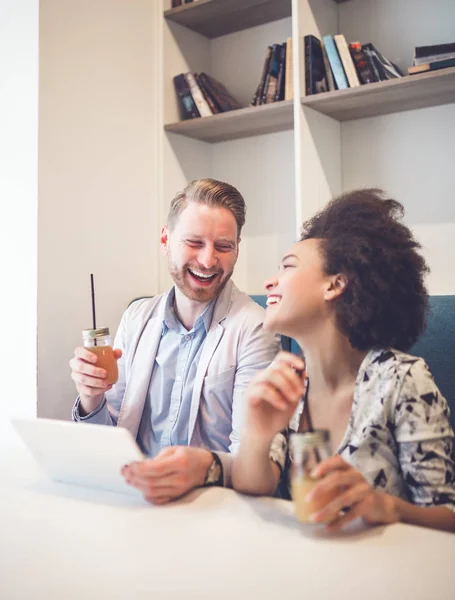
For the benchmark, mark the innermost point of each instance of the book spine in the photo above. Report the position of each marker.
(391, 70)
(427, 52)
(424, 60)
(315, 76)
(219, 93)
(433, 66)
(335, 62)
(268, 94)
(213, 107)
(346, 59)
(281, 74)
(328, 71)
(382, 75)
(201, 103)
(308, 63)
(209, 89)
(188, 109)
(288, 75)
(371, 63)
(265, 69)
(361, 64)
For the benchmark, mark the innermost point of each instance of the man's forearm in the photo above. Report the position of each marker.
(436, 517)
(253, 472)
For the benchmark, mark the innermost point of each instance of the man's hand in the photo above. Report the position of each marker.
(174, 472)
(89, 379)
(355, 495)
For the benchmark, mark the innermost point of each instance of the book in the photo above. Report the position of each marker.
(432, 66)
(371, 63)
(201, 103)
(335, 62)
(176, 3)
(346, 59)
(328, 70)
(289, 72)
(361, 64)
(428, 54)
(269, 92)
(390, 68)
(220, 95)
(384, 68)
(188, 108)
(279, 95)
(315, 76)
(265, 69)
(213, 107)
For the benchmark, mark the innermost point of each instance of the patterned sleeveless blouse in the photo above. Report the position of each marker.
(399, 435)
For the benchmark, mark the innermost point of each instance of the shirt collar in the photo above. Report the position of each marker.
(170, 320)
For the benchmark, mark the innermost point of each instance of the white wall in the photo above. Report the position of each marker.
(98, 182)
(409, 154)
(18, 204)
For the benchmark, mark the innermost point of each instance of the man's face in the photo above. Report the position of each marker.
(202, 250)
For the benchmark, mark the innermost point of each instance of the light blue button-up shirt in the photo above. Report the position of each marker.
(167, 408)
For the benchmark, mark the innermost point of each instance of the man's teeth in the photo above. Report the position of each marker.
(273, 300)
(202, 275)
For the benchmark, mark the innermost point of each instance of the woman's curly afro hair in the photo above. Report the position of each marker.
(385, 302)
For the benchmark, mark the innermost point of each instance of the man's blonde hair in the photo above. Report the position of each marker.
(212, 193)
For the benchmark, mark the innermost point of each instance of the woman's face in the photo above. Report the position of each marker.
(298, 295)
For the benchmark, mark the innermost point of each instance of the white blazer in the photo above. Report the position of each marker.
(235, 349)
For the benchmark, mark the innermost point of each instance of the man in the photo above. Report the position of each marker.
(186, 357)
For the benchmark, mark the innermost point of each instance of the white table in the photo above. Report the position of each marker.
(63, 542)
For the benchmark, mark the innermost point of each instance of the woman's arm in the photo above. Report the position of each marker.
(253, 471)
(361, 500)
(436, 517)
(272, 397)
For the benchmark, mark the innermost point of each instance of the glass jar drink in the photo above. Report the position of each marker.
(98, 341)
(307, 450)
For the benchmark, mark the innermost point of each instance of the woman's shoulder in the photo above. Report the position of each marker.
(394, 364)
(401, 379)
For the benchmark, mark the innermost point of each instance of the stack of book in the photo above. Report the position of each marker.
(431, 58)
(333, 64)
(276, 78)
(200, 95)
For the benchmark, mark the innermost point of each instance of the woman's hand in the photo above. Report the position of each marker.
(354, 495)
(273, 396)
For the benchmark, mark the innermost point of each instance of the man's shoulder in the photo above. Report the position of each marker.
(145, 307)
(245, 308)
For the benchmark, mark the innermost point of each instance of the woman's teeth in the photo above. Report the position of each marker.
(271, 300)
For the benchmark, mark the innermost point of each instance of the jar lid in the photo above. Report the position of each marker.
(92, 334)
(309, 438)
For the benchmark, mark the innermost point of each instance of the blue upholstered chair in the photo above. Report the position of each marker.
(436, 345)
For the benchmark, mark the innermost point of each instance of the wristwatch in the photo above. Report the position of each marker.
(215, 472)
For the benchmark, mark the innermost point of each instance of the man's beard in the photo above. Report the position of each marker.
(189, 286)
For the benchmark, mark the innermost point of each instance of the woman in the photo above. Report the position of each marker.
(352, 294)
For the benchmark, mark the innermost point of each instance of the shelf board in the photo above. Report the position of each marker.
(384, 97)
(213, 18)
(235, 124)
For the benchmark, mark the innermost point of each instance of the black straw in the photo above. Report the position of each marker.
(93, 301)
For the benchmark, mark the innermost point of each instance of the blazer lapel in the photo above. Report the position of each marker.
(211, 342)
(139, 379)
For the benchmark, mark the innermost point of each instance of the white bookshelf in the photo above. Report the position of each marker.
(323, 144)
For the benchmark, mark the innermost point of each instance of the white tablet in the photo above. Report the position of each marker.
(81, 453)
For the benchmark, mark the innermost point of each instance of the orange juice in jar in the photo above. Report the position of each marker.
(307, 450)
(98, 341)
